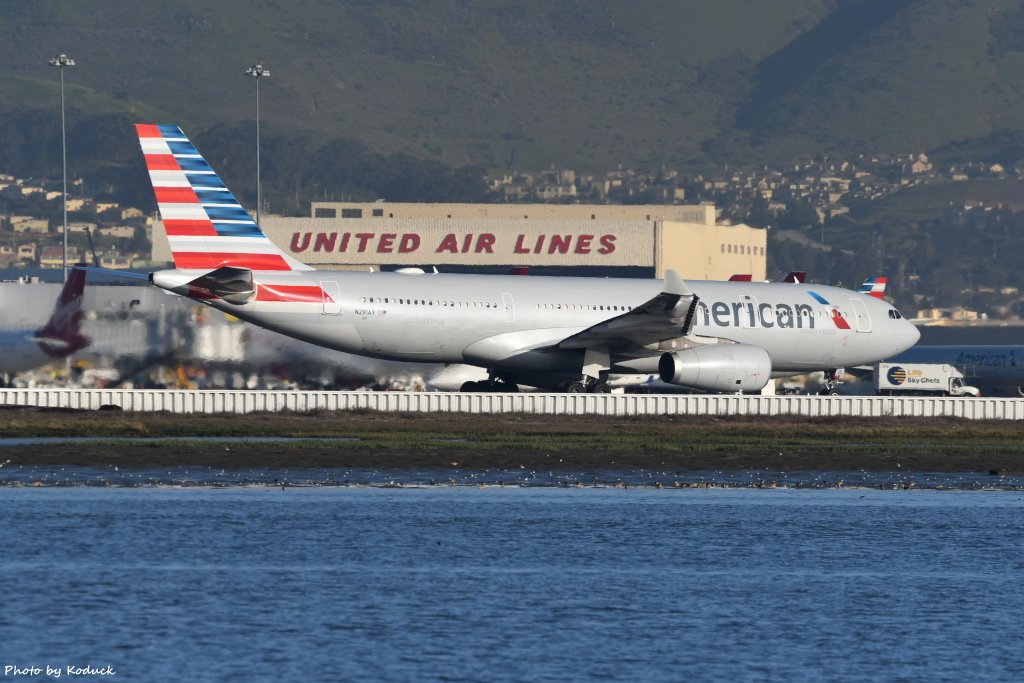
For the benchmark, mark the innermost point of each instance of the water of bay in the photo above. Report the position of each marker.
(512, 583)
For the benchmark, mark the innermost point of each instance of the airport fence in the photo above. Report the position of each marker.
(226, 401)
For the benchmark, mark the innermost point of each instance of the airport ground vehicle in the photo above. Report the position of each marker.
(921, 378)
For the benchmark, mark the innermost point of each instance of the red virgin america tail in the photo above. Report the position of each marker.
(61, 335)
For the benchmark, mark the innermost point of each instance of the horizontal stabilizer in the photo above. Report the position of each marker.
(233, 285)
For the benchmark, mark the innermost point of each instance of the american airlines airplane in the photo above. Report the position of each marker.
(555, 333)
(22, 350)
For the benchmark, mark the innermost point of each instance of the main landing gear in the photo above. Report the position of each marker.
(588, 386)
(830, 380)
(492, 384)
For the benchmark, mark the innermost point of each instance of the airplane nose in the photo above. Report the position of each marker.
(908, 336)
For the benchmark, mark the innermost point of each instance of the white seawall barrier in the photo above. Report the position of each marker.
(218, 401)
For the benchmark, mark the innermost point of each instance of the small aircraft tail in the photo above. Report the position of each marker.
(61, 335)
(796, 276)
(206, 226)
(741, 277)
(874, 286)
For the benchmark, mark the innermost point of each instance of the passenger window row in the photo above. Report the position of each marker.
(428, 302)
(583, 307)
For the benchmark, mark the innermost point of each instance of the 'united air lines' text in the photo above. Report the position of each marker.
(452, 243)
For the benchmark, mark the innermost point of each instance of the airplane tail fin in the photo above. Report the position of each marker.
(874, 286)
(796, 276)
(206, 226)
(741, 277)
(61, 335)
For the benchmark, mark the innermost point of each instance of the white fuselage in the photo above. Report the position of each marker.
(19, 351)
(513, 322)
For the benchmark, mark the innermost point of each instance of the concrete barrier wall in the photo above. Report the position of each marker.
(180, 401)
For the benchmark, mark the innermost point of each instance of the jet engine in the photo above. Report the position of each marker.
(718, 367)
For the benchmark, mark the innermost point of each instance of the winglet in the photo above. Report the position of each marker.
(675, 284)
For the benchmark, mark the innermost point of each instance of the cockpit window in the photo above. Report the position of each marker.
(894, 314)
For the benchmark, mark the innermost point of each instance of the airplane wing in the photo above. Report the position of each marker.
(667, 316)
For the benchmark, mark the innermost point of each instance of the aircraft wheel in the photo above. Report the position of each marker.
(602, 388)
(576, 388)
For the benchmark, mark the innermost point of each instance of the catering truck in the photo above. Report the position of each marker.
(921, 378)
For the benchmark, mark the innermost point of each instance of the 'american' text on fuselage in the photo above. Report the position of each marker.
(753, 314)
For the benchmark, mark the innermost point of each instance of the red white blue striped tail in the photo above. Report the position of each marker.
(206, 226)
(874, 286)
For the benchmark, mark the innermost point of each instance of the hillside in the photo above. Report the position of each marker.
(574, 83)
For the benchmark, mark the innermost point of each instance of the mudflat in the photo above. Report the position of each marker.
(414, 441)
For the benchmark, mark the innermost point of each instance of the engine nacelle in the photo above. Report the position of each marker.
(718, 367)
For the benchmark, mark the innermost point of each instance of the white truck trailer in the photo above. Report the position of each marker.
(921, 378)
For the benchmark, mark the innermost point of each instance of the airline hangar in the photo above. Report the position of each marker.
(644, 239)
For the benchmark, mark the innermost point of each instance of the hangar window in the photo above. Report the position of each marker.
(723, 248)
(351, 213)
(378, 213)
(325, 213)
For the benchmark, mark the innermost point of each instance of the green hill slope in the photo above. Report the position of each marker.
(524, 85)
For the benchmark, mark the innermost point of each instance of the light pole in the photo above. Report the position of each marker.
(61, 61)
(256, 71)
